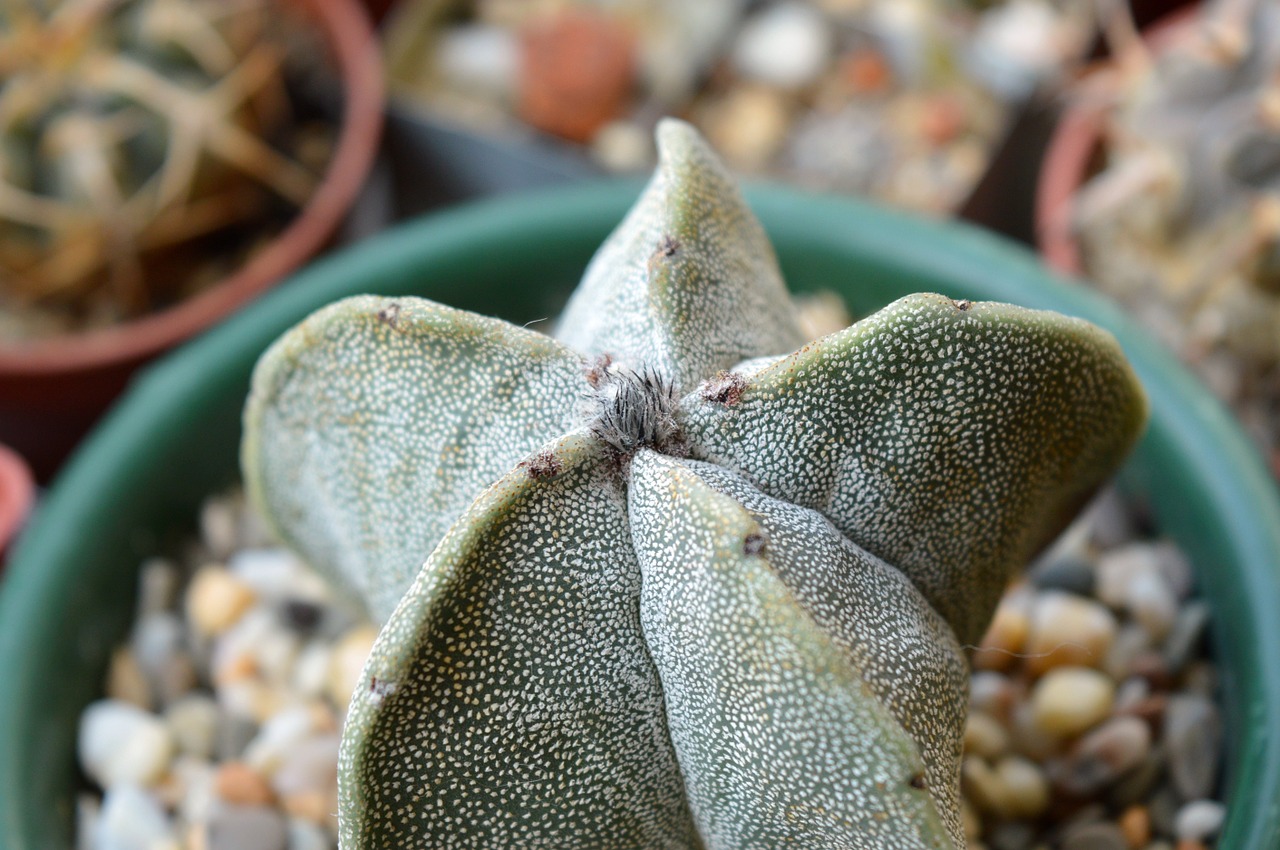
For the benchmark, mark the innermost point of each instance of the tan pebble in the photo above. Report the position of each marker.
(1069, 700)
(1135, 823)
(216, 599)
(238, 783)
(984, 736)
(749, 125)
(250, 699)
(1007, 634)
(1191, 844)
(347, 662)
(315, 806)
(982, 786)
(197, 837)
(235, 669)
(1068, 630)
(322, 716)
(1027, 790)
(126, 681)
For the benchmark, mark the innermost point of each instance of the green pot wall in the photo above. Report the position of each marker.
(173, 440)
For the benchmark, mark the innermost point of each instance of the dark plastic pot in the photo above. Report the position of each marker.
(52, 390)
(174, 440)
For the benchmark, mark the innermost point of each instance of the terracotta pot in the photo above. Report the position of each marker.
(52, 390)
(17, 495)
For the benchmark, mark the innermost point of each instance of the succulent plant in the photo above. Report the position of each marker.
(128, 130)
(682, 588)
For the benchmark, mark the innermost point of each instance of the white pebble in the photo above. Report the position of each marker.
(121, 744)
(310, 765)
(1117, 568)
(311, 670)
(1152, 603)
(479, 58)
(1199, 820)
(277, 738)
(220, 526)
(623, 146)
(132, 819)
(276, 574)
(786, 45)
(193, 722)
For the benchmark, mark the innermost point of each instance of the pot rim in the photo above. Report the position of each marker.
(17, 495)
(354, 47)
(1194, 464)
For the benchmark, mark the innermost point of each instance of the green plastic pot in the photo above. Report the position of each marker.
(173, 440)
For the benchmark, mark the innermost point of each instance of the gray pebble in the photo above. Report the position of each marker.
(1104, 755)
(1137, 784)
(158, 582)
(247, 828)
(1187, 637)
(1095, 836)
(1012, 835)
(1199, 820)
(1064, 572)
(305, 835)
(131, 819)
(1193, 740)
(1110, 521)
(1163, 806)
(234, 734)
(1176, 569)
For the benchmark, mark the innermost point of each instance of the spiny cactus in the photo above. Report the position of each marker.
(682, 589)
(128, 130)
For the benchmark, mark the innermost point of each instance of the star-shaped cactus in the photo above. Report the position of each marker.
(684, 585)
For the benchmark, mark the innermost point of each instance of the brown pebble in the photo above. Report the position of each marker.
(577, 69)
(866, 71)
(238, 783)
(1135, 823)
(1191, 844)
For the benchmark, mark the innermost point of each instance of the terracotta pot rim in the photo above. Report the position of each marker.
(17, 495)
(347, 31)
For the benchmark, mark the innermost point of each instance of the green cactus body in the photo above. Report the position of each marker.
(681, 588)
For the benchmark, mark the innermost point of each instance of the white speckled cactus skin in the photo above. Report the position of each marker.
(682, 588)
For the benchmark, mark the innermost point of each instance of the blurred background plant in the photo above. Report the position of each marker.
(147, 148)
